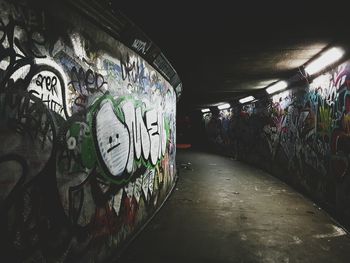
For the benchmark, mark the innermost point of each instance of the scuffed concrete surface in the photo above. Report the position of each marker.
(225, 211)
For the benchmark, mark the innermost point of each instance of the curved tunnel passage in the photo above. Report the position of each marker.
(91, 111)
(223, 210)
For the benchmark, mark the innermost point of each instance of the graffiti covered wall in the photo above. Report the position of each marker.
(87, 138)
(301, 135)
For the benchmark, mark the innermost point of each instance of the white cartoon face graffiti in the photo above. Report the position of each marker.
(112, 138)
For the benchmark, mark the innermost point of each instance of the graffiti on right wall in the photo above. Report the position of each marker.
(302, 134)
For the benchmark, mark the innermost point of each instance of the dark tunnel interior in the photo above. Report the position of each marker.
(178, 131)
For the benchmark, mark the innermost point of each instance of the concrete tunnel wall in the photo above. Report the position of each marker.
(87, 138)
(301, 135)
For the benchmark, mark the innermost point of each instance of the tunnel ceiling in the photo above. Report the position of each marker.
(224, 52)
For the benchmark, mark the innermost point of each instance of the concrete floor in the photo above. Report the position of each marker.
(226, 211)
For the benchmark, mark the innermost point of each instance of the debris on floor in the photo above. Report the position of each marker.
(186, 166)
(319, 208)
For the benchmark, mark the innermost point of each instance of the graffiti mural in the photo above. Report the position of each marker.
(87, 139)
(219, 128)
(303, 134)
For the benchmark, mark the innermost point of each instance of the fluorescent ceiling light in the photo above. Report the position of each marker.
(277, 87)
(224, 106)
(246, 99)
(205, 110)
(326, 59)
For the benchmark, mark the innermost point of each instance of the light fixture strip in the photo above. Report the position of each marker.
(246, 99)
(224, 106)
(205, 110)
(327, 58)
(281, 85)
